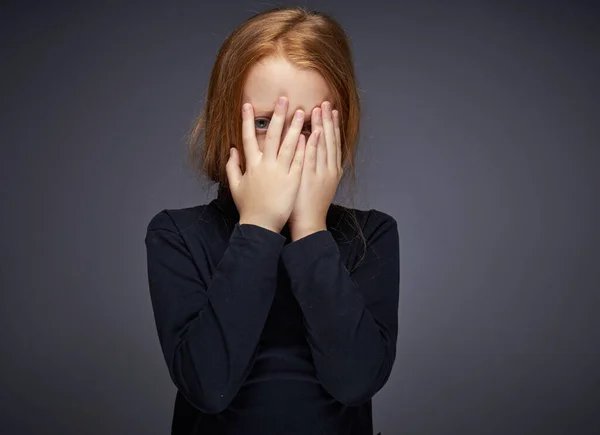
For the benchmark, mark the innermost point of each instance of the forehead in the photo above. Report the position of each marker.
(274, 77)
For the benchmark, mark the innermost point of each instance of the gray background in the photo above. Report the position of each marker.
(480, 135)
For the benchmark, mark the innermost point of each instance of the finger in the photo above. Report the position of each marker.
(233, 170)
(251, 149)
(298, 162)
(338, 138)
(310, 158)
(317, 123)
(289, 144)
(273, 138)
(330, 142)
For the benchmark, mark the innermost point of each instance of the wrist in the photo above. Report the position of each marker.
(298, 232)
(260, 223)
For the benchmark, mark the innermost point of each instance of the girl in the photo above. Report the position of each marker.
(276, 310)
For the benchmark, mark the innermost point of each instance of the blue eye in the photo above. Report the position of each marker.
(261, 123)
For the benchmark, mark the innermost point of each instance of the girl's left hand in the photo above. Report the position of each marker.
(321, 174)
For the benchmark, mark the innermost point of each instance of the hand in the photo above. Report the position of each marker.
(264, 195)
(321, 174)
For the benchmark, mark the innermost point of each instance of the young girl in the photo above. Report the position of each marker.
(276, 310)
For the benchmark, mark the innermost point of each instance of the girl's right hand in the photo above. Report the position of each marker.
(266, 192)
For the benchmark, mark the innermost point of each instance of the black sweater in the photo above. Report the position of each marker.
(262, 335)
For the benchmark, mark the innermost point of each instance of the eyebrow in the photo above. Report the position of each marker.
(263, 112)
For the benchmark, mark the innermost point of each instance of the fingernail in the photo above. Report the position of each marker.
(281, 101)
(246, 107)
(299, 114)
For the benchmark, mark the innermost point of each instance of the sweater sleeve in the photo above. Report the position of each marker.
(351, 318)
(209, 326)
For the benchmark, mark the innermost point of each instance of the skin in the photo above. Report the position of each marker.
(307, 91)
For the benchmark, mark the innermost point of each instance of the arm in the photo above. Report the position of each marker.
(209, 327)
(351, 318)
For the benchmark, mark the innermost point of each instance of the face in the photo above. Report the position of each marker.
(274, 77)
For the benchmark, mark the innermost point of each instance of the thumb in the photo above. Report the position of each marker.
(234, 172)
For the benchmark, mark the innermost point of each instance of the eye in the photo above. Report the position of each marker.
(261, 123)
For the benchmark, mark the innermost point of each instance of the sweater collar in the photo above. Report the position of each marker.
(226, 203)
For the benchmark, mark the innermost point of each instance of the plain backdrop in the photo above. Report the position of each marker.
(479, 135)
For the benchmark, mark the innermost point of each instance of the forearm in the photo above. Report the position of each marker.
(209, 328)
(353, 343)
(352, 353)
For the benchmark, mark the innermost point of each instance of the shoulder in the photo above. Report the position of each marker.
(364, 236)
(352, 221)
(181, 220)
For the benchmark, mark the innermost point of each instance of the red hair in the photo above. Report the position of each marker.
(307, 39)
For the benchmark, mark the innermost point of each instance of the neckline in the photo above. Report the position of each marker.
(226, 203)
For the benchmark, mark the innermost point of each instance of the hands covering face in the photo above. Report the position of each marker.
(294, 179)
